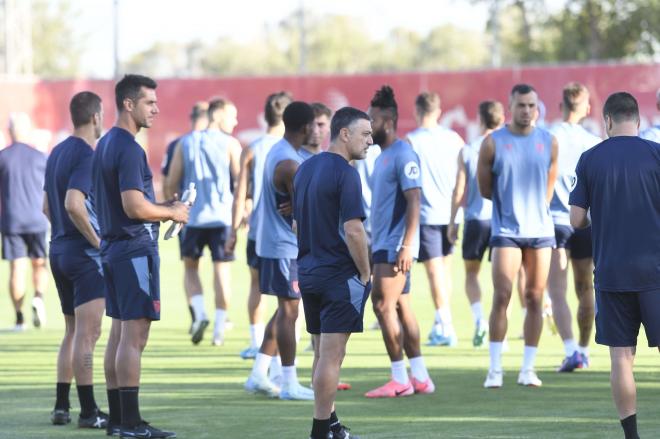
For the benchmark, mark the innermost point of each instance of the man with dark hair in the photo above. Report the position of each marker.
(209, 159)
(22, 222)
(572, 140)
(438, 149)
(477, 214)
(277, 249)
(653, 131)
(333, 258)
(128, 219)
(199, 121)
(75, 260)
(395, 244)
(322, 116)
(250, 180)
(619, 184)
(517, 169)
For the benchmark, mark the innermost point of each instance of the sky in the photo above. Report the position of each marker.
(144, 22)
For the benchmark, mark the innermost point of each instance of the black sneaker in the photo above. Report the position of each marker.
(60, 417)
(198, 328)
(343, 432)
(112, 429)
(98, 419)
(144, 431)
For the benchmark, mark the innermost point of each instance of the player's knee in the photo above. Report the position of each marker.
(533, 299)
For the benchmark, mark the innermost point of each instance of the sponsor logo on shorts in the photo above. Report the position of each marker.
(157, 305)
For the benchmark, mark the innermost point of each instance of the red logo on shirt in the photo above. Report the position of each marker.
(539, 147)
(508, 146)
(385, 161)
(157, 305)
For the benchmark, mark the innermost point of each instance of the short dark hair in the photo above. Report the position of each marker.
(570, 93)
(621, 106)
(384, 99)
(199, 110)
(296, 115)
(491, 114)
(129, 87)
(343, 118)
(427, 102)
(217, 104)
(274, 108)
(522, 89)
(83, 107)
(320, 109)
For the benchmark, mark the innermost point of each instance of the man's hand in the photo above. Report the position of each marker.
(285, 209)
(365, 278)
(230, 243)
(403, 260)
(452, 233)
(179, 211)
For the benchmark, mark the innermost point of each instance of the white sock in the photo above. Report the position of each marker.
(477, 312)
(275, 367)
(289, 376)
(220, 318)
(257, 334)
(399, 373)
(584, 350)
(529, 356)
(570, 346)
(197, 303)
(495, 349)
(418, 369)
(260, 366)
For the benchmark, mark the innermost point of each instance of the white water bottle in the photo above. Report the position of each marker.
(188, 198)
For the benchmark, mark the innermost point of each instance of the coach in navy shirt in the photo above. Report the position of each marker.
(74, 258)
(22, 222)
(333, 257)
(128, 218)
(618, 181)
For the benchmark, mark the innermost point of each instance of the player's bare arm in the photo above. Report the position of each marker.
(356, 241)
(553, 170)
(74, 203)
(485, 167)
(457, 198)
(240, 196)
(137, 207)
(175, 174)
(404, 258)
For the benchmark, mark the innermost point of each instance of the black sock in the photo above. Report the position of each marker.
(19, 318)
(87, 402)
(192, 313)
(38, 294)
(320, 428)
(130, 409)
(629, 425)
(62, 395)
(114, 406)
(335, 425)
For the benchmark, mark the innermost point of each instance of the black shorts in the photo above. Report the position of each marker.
(505, 241)
(133, 288)
(577, 241)
(433, 242)
(336, 308)
(389, 257)
(195, 239)
(279, 277)
(78, 277)
(476, 239)
(619, 316)
(24, 245)
(251, 254)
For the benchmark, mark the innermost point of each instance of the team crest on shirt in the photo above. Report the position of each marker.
(573, 182)
(411, 170)
(539, 147)
(508, 146)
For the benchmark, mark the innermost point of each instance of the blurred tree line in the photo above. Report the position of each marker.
(518, 31)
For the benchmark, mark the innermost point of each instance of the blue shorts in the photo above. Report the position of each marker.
(577, 241)
(251, 254)
(389, 257)
(476, 239)
(78, 277)
(619, 316)
(195, 239)
(336, 309)
(503, 241)
(279, 277)
(133, 288)
(24, 245)
(433, 242)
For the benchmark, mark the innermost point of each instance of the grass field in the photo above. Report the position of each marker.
(197, 390)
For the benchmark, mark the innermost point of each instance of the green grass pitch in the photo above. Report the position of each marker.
(197, 391)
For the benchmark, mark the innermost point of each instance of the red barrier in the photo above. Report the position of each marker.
(461, 91)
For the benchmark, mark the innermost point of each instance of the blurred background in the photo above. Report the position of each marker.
(337, 52)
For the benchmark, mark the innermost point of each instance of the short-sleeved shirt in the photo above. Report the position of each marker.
(327, 193)
(365, 169)
(69, 166)
(572, 141)
(619, 182)
(120, 164)
(476, 206)
(305, 154)
(651, 133)
(437, 149)
(22, 170)
(396, 171)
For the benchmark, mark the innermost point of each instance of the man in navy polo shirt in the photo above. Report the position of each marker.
(333, 257)
(128, 219)
(618, 183)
